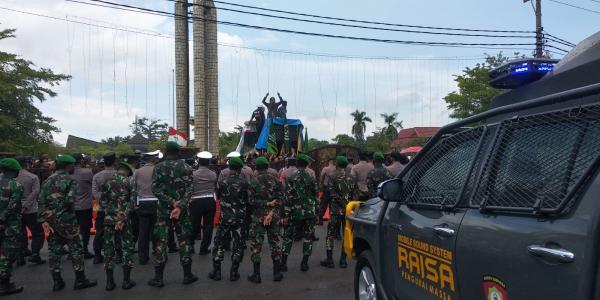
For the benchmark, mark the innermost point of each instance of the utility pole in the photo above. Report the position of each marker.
(539, 42)
(539, 37)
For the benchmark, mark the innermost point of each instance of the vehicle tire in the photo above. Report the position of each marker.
(365, 283)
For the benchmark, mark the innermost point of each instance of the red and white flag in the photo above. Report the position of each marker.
(177, 136)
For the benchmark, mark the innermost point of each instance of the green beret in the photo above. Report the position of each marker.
(236, 162)
(261, 161)
(378, 155)
(65, 159)
(303, 157)
(341, 160)
(10, 164)
(171, 145)
(126, 166)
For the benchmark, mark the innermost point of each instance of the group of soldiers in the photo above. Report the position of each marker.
(169, 198)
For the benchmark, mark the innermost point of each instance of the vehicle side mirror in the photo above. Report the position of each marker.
(390, 190)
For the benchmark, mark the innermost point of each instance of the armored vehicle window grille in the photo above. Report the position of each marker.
(538, 161)
(438, 178)
(486, 144)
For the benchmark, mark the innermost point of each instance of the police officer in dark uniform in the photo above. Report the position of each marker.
(146, 205)
(203, 204)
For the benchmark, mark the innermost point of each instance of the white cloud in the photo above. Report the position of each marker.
(138, 78)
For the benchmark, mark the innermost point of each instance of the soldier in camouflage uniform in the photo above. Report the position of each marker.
(118, 200)
(172, 184)
(342, 188)
(265, 197)
(233, 195)
(56, 212)
(378, 175)
(11, 193)
(299, 206)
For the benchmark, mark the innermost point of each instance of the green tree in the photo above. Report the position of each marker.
(158, 144)
(378, 141)
(391, 125)
(23, 127)
(314, 144)
(228, 142)
(123, 149)
(150, 128)
(114, 141)
(360, 125)
(343, 140)
(474, 93)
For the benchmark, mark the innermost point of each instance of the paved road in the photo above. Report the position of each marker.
(317, 283)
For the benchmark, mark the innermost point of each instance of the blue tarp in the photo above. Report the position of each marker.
(263, 138)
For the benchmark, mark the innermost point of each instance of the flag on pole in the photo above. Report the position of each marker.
(178, 137)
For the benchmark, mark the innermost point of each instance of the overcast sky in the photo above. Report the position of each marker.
(118, 75)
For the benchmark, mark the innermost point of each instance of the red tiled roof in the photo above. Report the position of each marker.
(408, 135)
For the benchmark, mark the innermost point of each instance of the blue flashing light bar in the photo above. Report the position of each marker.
(520, 72)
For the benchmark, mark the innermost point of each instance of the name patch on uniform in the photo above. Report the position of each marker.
(426, 266)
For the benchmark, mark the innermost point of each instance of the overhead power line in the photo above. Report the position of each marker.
(575, 6)
(140, 31)
(365, 27)
(557, 39)
(372, 22)
(392, 41)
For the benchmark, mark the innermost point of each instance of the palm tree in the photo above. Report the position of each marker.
(360, 125)
(391, 125)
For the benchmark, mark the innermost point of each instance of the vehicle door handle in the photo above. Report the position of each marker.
(555, 254)
(443, 231)
(396, 226)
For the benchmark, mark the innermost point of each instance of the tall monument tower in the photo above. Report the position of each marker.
(182, 83)
(206, 74)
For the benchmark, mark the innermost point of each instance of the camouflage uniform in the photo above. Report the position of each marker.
(11, 193)
(341, 188)
(299, 206)
(233, 195)
(375, 177)
(265, 188)
(118, 200)
(58, 196)
(172, 181)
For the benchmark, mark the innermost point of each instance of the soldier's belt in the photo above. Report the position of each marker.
(204, 196)
(146, 199)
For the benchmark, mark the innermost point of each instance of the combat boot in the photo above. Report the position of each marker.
(110, 280)
(157, 281)
(304, 263)
(284, 267)
(255, 277)
(343, 262)
(277, 275)
(188, 277)
(98, 259)
(328, 262)
(81, 282)
(234, 275)
(59, 283)
(21, 260)
(7, 287)
(216, 272)
(36, 259)
(127, 282)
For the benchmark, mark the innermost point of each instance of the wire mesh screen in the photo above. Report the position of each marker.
(539, 159)
(440, 175)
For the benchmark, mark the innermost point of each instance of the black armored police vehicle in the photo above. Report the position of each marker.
(501, 205)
